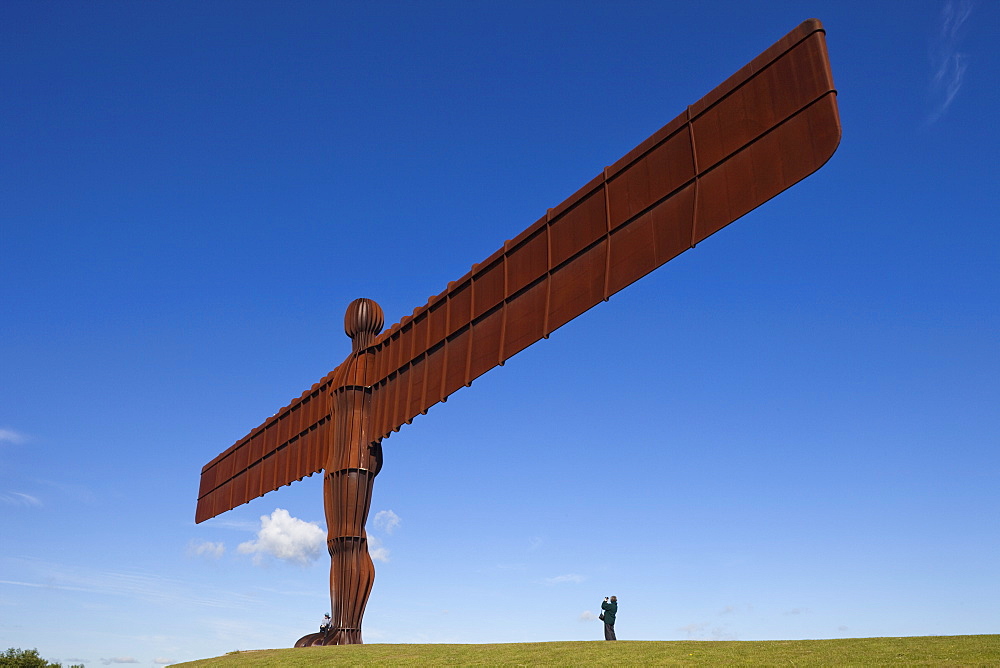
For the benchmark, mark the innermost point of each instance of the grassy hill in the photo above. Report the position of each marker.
(981, 650)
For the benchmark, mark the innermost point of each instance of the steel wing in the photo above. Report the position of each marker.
(762, 130)
(765, 128)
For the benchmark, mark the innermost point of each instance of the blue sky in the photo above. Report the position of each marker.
(789, 432)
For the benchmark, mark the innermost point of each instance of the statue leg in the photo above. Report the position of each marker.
(347, 499)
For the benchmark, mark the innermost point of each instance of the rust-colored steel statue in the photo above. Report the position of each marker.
(761, 131)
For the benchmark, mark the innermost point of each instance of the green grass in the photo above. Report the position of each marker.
(981, 650)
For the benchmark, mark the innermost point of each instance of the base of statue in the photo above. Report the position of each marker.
(334, 637)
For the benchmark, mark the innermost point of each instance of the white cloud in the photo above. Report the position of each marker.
(11, 436)
(587, 616)
(376, 551)
(119, 659)
(206, 549)
(559, 579)
(161, 661)
(386, 520)
(287, 538)
(20, 499)
(947, 62)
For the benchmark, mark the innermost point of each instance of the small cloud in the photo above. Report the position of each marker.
(693, 630)
(161, 661)
(587, 616)
(701, 631)
(386, 520)
(797, 611)
(534, 543)
(559, 579)
(12, 437)
(728, 610)
(207, 549)
(119, 659)
(20, 499)
(842, 628)
(285, 537)
(948, 64)
(376, 551)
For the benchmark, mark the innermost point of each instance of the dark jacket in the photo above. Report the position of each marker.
(609, 608)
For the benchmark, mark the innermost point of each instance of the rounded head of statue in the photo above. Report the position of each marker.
(363, 321)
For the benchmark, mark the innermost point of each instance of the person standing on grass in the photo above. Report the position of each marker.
(610, 609)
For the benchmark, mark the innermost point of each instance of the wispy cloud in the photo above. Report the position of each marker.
(119, 659)
(43, 585)
(948, 64)
(376, 551)
(693, 630)
(135, 585)
(162, 661)
(520, 566)
(736, 609)
(797, 611)
(238, 525)
(12, 437)
(705, 631)
(559, 579)
(587, 616)
(20, 499)
(386, 520)
(285, 537)
(68, 491)
(206, 549)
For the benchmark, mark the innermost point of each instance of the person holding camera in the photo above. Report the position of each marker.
(610, 609)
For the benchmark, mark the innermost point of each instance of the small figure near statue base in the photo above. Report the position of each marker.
(329, 636)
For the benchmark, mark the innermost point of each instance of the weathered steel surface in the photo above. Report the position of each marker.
(765, 128)
(353, 461)
(313, 640)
